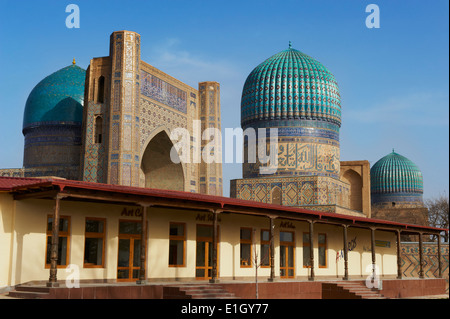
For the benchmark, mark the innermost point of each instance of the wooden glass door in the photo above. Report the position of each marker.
(287, 248)
(129, 260)
(204, 252)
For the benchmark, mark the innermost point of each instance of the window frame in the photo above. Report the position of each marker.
(178, 238)
(326, 250)
(292, 244)
(246, 242)
(132, 237)
(98, 129)
(61, 234)
(263, 243)
(306, 244)
(94, 235)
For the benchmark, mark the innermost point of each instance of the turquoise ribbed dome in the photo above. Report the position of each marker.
(397, 177)
(290, 85)
(57, 99)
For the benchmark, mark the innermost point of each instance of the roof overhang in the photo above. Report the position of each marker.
(137, 196)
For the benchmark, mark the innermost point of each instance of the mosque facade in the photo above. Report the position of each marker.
(299, 97)
(111, 200)
(112, 123)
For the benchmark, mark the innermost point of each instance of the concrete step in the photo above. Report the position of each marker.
(200, 291)
(211, 296)
(359, 289)
(33, 289)
(27, 294)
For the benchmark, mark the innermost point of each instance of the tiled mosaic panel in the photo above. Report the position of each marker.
(12, 172)
(55, 145)
(395, 173)
(95, 154)
(210, 174)
(163, 92)
(70, 172)
(410, 261)
(153, 118)
(296, 191)
(301, 159)
(290, 84)
(58, 98)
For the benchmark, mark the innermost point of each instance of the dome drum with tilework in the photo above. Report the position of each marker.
(297, 95)
(52, 120)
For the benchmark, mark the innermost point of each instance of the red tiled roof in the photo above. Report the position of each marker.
(12, 184)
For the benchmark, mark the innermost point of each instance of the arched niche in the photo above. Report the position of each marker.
(276, 196)
(159, 170)
(354, 179)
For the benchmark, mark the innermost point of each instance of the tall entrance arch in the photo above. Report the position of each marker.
(159, 170)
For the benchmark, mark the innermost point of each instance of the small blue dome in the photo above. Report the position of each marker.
(57, 99)
(395, 178)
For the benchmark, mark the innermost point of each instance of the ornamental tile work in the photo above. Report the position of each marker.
(290, 84)
(94, 154)
(52, 145)
(58, 98)
(12, 172)
(123, 134)
(210, 174)
(52, 124)
(153, 116)
(300, 158)
(301, 191)
(395, 178)
(410, 260)
(163, 92)
(110, 113)
(140, 102)
(298, 96)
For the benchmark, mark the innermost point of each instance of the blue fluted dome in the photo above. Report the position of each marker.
(290, 85)
(395, 178)
(57, 99)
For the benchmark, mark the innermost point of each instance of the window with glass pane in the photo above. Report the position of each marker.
(130, 227)
(63, 241)
(322, 250)
(265, 248)
(246, 247)
(177, 240)
(94, 243)
(286, 236)
(287, 248)
(306, 251)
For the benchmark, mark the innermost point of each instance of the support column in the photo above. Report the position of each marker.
(53, 280)
(272, 249)
(214, 279)
(421, 255)
(311, 250)
(372, 242)
(399, 258)
(439, 257)
(345, 253)
(142, 275)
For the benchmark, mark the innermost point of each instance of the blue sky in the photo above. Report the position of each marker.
(393, 80)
